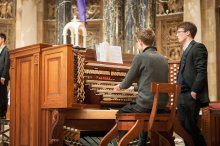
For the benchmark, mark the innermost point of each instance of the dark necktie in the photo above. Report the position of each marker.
(182, 63)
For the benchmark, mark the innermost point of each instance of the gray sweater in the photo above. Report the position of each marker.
(148, 66)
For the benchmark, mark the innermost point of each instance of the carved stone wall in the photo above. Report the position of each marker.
(169, 15)
(169, 7)
(49, 21)
(94, 16)
(113, 23)
(94, 21)
(7, 21)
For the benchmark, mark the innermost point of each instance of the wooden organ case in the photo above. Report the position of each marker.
(52, 86)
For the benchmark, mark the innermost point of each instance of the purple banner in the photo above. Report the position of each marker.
(81, 4)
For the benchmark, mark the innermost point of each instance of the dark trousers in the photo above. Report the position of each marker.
(3, 100)
(188, 109)
(135, 108)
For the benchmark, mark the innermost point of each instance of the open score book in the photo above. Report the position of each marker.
(107, 53)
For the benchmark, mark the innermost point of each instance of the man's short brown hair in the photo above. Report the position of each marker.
(188, 26)
(146, 35)
(2, 35)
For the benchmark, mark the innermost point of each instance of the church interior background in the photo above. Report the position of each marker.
(27, 22)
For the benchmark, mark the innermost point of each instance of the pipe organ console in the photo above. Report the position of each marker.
(53, 86)
(59, 93)
(94, 81)
(104, 89)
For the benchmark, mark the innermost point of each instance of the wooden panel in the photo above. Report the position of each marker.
(26, 107)
(24, 102)
(53, 75)
(57, 77)
(90, 114)
(210, 125)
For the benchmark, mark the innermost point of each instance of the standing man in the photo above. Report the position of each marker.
(193, 79)
(147, 66)
(4, 75)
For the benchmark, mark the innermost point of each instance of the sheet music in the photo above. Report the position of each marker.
(103, 51)
(107, 53)
(114, 54)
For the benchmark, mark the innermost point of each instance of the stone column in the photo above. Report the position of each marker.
(192, 12)
(141, 15)
(151, 14)
(113, 21)
(26, 23)
(142, 11)
(131, 17)
(63, 16)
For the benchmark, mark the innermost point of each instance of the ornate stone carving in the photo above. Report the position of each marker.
(94, 33)
(169, 42)
(93, 9)
(77, 30)
(51, 9)
(50, 32)
(169, 6)
(175, 6)
(91, 39)
(6, 9)
(94, 25)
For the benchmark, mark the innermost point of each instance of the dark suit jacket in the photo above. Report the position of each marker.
(195, 71)
(5, 64)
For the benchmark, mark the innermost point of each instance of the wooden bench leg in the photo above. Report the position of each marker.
(132, 133)
(112, 134)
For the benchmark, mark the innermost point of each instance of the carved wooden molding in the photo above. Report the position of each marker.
(36, 59)
(12, 63)
(54, 122)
